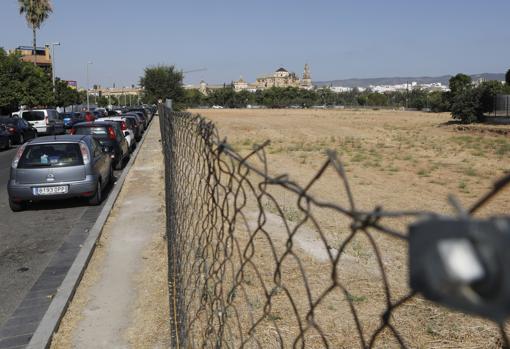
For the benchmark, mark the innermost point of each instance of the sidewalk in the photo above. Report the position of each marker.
(122, 300)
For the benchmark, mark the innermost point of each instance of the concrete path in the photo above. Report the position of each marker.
(110, 307)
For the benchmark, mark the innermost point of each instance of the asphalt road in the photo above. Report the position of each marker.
(28, 239)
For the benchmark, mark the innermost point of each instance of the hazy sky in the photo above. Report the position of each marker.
(339, 39)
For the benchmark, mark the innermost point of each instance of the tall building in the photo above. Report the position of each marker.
(306, 81)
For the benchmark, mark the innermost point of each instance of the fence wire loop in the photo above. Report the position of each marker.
(259, 261)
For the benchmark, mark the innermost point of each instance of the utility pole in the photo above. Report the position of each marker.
(53, 44)
(88, 99)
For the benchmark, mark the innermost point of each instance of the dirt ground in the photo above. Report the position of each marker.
(394, 159)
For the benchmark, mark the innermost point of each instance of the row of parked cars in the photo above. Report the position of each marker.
(77, 160)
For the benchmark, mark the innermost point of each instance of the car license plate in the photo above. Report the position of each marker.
(61, 189)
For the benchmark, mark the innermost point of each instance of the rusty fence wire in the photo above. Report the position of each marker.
(260, 261)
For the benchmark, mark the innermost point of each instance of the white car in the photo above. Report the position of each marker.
(128, 133)
(45, 121)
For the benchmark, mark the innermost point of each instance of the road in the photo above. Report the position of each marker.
(28, 239)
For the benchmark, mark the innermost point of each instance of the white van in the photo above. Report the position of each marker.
(46, 121)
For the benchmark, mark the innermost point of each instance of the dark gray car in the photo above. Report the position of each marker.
(59, 167)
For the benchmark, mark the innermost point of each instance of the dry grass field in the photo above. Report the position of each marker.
(398, 160)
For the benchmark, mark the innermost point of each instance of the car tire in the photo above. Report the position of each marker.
(119, 164)
(97, 197)
(16, 206)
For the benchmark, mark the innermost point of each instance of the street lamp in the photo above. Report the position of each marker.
(88, 101)
(53, 44)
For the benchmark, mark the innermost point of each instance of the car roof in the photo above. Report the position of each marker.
(96, 123)
(58, 139)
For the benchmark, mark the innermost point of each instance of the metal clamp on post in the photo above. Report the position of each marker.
(463, 264)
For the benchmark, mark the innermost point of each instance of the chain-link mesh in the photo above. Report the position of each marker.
(261, 261)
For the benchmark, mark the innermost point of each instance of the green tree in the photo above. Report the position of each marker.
(161, 82)
(22, 83)
(507, 77)
(65, 95)
(459, 83)
(36, 12)
(465, 106)
(377, 99)
(487, 92)
(437, 101)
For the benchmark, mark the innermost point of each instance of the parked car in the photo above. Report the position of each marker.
(128, 130)
(142, 116)
(59, 167)
(109, 135)
(5, 138)
(71, 118)
(46, 121)
(136, 124)
(142, 121)
(19, 129)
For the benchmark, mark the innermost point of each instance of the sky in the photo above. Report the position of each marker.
(231, 38)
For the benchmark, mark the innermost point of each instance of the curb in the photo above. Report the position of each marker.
(58, 306)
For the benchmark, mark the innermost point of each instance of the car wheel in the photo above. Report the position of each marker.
(97, 197)
(119, 164)
(16, 206)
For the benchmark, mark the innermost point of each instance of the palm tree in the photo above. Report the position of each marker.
(36, 12)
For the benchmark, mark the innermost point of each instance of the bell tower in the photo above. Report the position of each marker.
(306, 82)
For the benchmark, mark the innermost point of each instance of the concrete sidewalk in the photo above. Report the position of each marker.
(122, 300)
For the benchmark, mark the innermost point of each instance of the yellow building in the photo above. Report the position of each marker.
(42, 55)
(283, 78)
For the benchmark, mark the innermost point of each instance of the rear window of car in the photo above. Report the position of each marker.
(92, 130)
(33, 115)
(51, 155)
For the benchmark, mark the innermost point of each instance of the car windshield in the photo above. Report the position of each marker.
(51, 155)
(33, 115)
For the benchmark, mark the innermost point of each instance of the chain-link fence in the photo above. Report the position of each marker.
(261, 261)
(501, 106)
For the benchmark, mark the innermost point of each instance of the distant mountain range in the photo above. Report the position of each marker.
(402, 80)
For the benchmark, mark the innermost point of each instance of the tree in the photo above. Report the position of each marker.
(65, 95)
(507, 77)
(466, 106)
(459, 83)
(36, 12)
(161, 82)
(22, 83)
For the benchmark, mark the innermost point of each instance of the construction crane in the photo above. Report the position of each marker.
(194, 70)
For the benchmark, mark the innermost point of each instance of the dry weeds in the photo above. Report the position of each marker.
(400, 160)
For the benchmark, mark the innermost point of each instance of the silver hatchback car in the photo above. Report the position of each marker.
(59, 167)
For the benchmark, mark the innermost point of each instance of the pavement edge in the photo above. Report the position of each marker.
(58, 306)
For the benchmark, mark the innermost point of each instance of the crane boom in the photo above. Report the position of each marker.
(194, 70)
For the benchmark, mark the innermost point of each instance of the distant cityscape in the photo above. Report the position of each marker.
(283, 78)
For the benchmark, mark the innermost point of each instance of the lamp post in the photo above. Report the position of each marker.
(53, 44)
(88, 100)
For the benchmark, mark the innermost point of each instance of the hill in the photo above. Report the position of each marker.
(402, 80)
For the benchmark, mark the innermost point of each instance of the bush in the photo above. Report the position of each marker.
(466, 106)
